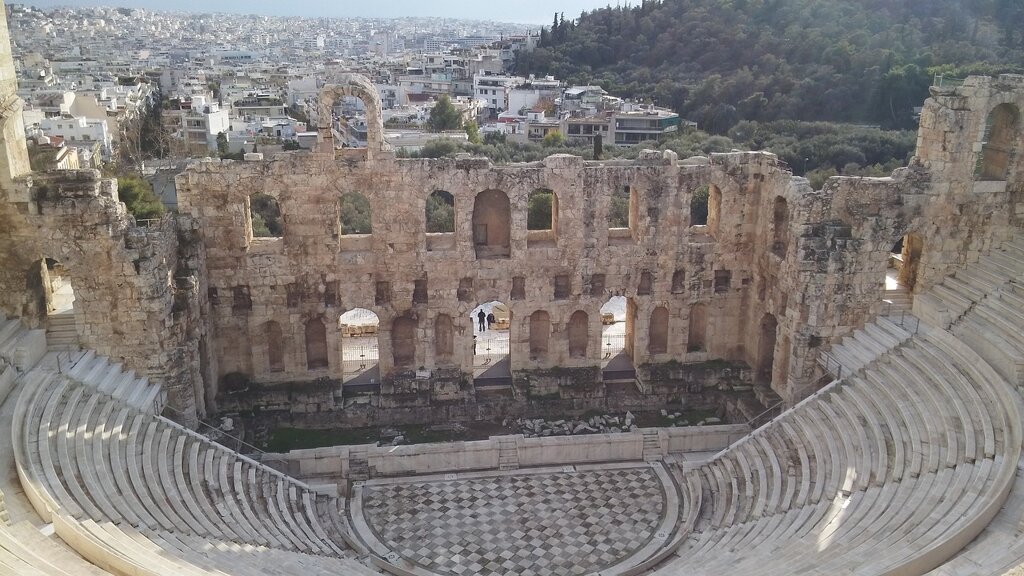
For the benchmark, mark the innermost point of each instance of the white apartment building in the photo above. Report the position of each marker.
(495, 89)
(83, 132)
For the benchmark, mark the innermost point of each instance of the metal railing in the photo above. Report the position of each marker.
(491, 348)
(767, 416)
(832, 365)
(360, 353)
(940, 81)
(902, 318)
(214, 434)
(612, 344)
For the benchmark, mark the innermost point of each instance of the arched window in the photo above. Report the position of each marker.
(316, 344)
(714, 209)
(440, 212)
(275, 346)
(403, 342)
(1001, 132)
(355, 215)
(492, 217)
(542, 210)
(698, 329)
(622, 210)
(265, 216)
(699, 207)
(780, 226)
(679, 281)
(540, 334)
(766, 349)
(444, 342)
(657, 331)
(579, 334)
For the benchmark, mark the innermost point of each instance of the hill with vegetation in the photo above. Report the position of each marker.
(718, 62)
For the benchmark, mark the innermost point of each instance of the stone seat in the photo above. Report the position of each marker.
(91, 458)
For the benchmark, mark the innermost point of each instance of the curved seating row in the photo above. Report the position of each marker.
(106, 473)
(894, 468)
(110, 378)
(865, 345)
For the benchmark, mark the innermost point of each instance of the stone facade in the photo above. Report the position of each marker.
(778, 270)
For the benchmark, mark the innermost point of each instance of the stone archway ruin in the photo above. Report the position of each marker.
(358, 86)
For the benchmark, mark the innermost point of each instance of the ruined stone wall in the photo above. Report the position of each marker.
(127, 302)
(315, 272)
(780, 269)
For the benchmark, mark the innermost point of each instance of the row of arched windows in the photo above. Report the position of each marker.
(491, 214)
(403, 337)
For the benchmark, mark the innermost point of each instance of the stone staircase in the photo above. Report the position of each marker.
(898, 299)
(652, 446)
(867, 344)
(61, 331)
(100, 374)
(508, 453)
(359, 464)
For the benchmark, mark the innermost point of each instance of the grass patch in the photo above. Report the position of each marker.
(287, 439)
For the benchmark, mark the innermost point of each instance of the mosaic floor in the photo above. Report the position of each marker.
(550, 522)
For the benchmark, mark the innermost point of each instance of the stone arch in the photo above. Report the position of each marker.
(265, 220)
(697, 341)
(579, 334)
(354, 214)
(316, 344)
(714, 209)
(780, 226)
(699, 207)
(361, 87)
(679, 281)
(769, 328)
(444, 337)
(275, 345)
(440, 212)
(540, 334)
(1002, 128)
(492, 225)
(542, 211)
(403, 341)
(657, 331)
(905, 260)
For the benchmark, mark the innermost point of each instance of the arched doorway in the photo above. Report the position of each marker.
(492, 223)
(1001, 130)
(492, 325)
(697, 331)
(59, 295)
(403, 342)
(901, 272)
(657, 331)
(578, 333)
(359, 350)
(617, 315)
(780, 226)
(540, 335)
(316, 344)
(766, 349)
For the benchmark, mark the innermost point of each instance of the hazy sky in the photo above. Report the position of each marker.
(525, 11)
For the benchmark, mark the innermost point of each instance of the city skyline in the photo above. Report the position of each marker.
(527, 11)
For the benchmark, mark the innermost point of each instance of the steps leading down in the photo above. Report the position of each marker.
(110, 378)
(61, 331)
(890, 471)
(867, 344)
(128, 489)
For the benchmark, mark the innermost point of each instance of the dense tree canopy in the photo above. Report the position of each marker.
(722, 61)
(444, 115)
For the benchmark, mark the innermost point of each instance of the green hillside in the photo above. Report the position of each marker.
(721, 61)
